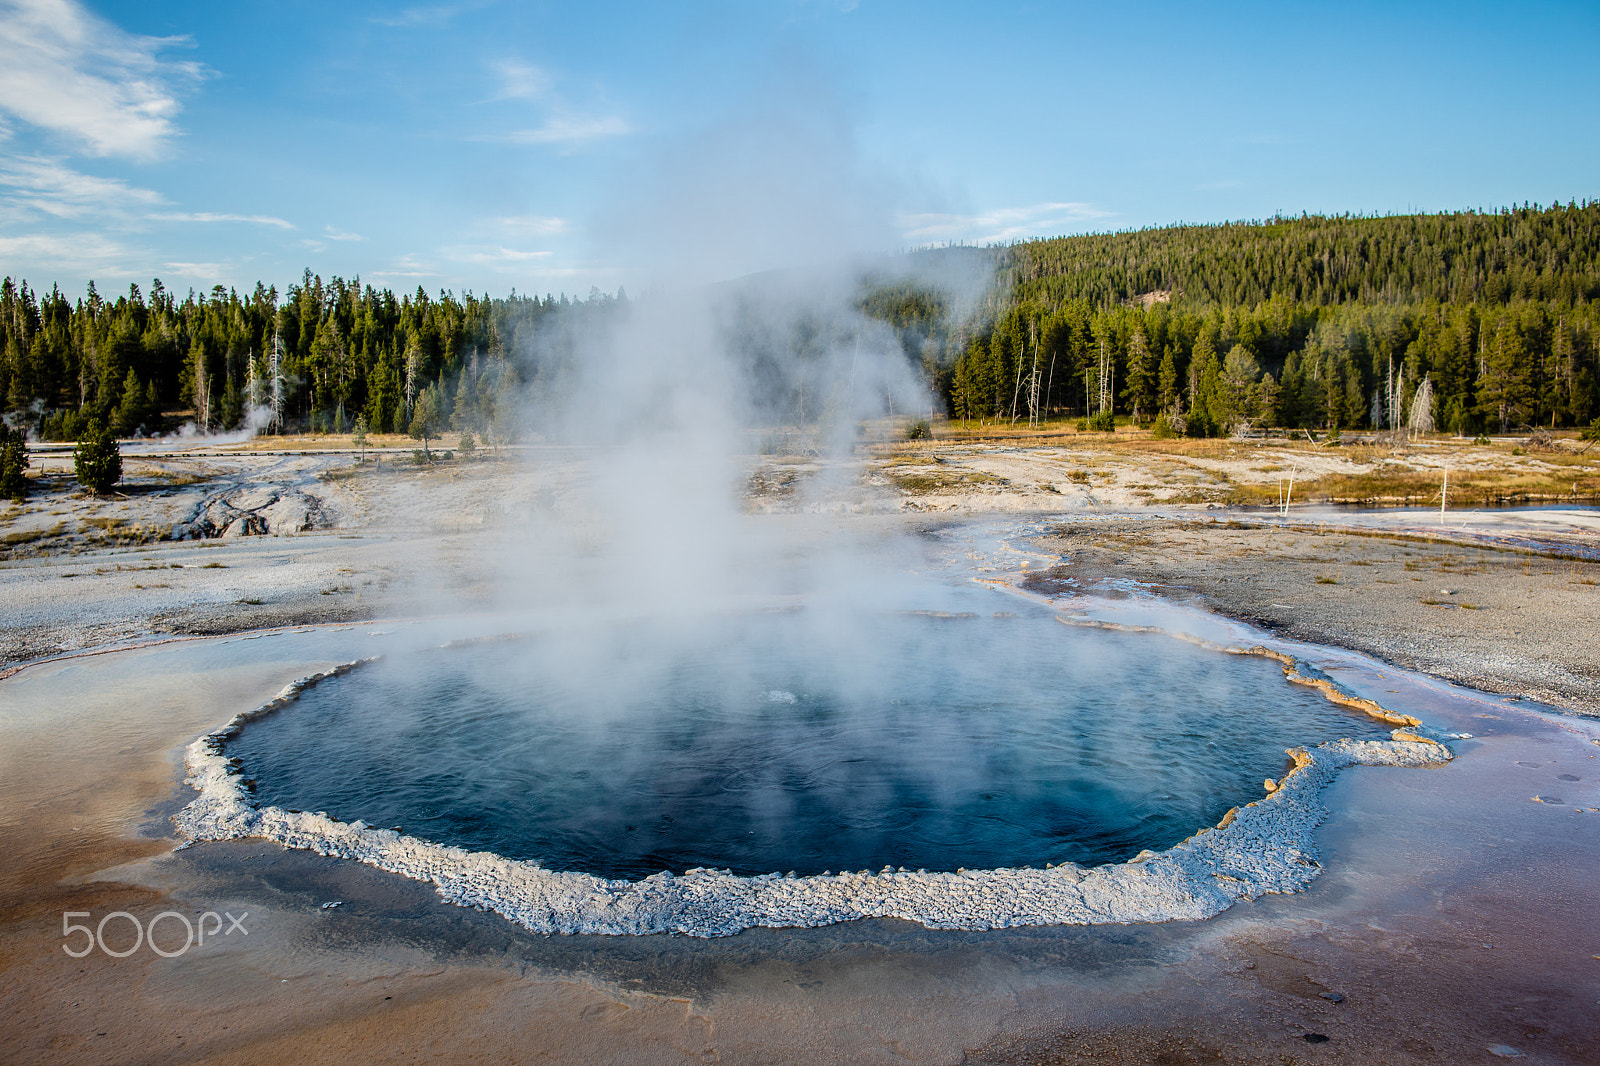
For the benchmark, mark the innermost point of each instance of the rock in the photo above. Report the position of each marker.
(1332, 997)
(252, 512)
(289, 514)
(253, 499)
(1504, 1051)
(245, 526)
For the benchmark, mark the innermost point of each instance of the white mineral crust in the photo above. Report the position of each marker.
(1265, 846)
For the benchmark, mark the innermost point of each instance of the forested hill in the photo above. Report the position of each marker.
(1492, 318)
(318, 357)
(1525, 253)
(1293, 322)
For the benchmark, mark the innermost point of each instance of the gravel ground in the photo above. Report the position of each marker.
(1504, 621)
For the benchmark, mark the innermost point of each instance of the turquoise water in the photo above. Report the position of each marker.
(795, 741)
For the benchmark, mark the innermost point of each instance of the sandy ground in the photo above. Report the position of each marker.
(1452, 922)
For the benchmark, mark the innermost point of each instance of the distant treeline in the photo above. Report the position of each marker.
(318, 358)
(1311, 321)
(1294, 322)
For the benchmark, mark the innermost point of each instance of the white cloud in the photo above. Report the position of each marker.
(45, 185)
(1003, 224)
(55, 255)
(497, 257)
(562, 124)
(569, 130)
(340, 235)
(214, 272)
(215, 216)
(539, 225)
(69, 71)
(407, 266)
(520, 81)
(428, 14)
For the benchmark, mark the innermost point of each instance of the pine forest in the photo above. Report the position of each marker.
(1463, 323)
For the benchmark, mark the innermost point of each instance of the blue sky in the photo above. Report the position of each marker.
(553, 147)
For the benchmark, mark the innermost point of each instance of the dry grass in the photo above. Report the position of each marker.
(320, 442)
(1462, 604)
(924, 484)
(122, 532)
(1401, 485)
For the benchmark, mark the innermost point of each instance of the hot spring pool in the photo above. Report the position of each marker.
(799, 741)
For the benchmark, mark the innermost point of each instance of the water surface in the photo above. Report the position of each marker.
(795, 741)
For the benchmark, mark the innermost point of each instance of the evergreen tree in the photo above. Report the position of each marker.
(151, 422)
(1238, 386)
(1505, 390)
(1141, 392)
(128, 416)
(1269, 397)
(97, 461)
(1205, 384)
(1171, 384)
(13, 463)
(427, 417)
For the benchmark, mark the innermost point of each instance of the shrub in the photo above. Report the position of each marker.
(97, 460)
(918, 429)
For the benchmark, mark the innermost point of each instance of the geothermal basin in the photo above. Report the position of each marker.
(1435, 913)
(781, 741)
(976, 766)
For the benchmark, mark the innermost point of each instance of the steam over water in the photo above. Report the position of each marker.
(795, 741)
